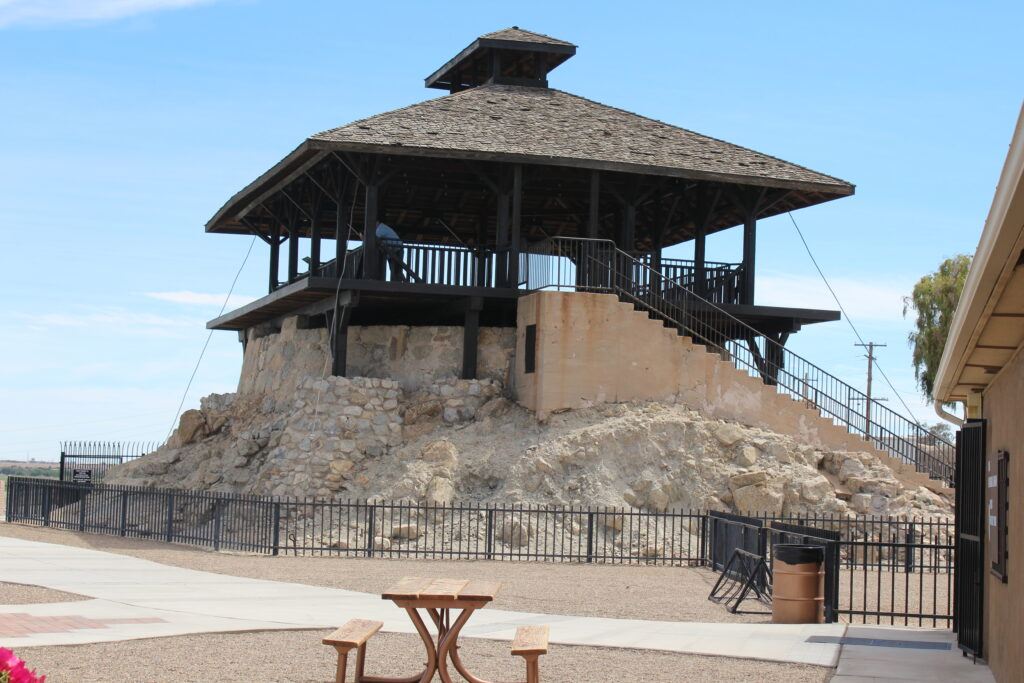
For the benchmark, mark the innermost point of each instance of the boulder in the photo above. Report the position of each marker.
(514, 532)
(815, 489)
(440, 491)
(851, 467)
(728, 434)
(747, 456)
(758, 500)
(191, 428)
(738, 481)
(441, 452)
(405, 531)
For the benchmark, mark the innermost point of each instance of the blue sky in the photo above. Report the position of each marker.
(126, 123)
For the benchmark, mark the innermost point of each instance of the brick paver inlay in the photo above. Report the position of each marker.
(16, 624)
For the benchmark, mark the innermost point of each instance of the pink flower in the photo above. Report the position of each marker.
(15, 669)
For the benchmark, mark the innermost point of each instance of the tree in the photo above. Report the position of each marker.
(934, 299)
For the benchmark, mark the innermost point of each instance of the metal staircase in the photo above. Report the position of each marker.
(563, 263)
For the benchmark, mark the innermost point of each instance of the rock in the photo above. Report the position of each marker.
(869, 504)
(405, 531)
(440, 491)
(815, 489)
(442, 452)
(381, 543)
(728, 434)
(758, 500)
(496, 407)
(341, 466)
(738, 481)
(191, 428)
(514, 532)
(747, 456)
(340, 545)
(652, 550)
(851, 467)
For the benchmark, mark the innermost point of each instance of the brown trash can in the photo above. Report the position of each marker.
(798, 587)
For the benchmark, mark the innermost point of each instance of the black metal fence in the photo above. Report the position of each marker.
(86, 462)
(891, 571)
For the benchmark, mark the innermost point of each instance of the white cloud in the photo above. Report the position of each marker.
(65, 11)
(201, 299)
(864, 300)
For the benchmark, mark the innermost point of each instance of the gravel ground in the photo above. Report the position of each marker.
(21, 594)
(648, 592)
(299, 656)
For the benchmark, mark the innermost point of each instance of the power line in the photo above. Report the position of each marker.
(209, 336)
(846, 315)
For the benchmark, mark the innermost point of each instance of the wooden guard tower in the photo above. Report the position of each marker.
(480, 183)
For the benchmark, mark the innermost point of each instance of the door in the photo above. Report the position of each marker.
(969, 565)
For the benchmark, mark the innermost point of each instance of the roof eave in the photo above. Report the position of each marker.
(436, 79)
(278, 175)
(839, 189)
(994, 247)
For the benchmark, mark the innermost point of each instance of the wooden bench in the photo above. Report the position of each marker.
(530, 643)
(353, 634)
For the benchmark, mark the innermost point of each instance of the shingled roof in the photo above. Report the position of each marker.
(548, 126)
(519, 35)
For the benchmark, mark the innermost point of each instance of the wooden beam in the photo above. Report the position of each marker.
(371, 260)
(594, 218)
(504, 220)
(293, 247)
(516, 225)
(749, 254)
(275, 250)
(339, 342)
(471, 338)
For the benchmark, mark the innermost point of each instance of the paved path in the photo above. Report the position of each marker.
(136, 598)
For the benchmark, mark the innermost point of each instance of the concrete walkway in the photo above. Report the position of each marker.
(136, 598)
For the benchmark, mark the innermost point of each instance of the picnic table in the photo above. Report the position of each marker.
(438, 598)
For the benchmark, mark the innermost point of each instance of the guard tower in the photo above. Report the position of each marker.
(506, 186)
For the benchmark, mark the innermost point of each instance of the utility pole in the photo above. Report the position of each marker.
(870, 346)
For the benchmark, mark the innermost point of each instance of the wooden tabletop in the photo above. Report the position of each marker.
(416, 588)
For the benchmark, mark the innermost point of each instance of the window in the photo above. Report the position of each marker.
(530, 352)
(1001, 514)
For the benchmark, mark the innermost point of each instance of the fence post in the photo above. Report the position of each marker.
(908, 551)
(590, 536)
(170, 517)
(489, 554)
(276, 530)
(216, 524)
(371, 513)
(81, 507)
(124, 513)
(46, 506)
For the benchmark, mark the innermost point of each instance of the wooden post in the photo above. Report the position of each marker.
(628, 238)
(749, 250)
(471, 339)
(293, 248)
(699, 258)
(275, 250)
(502, 241)
(516, 227)
(593, 218)
(371, 259)
(314, 242)
(481, 254)
(339, 344)
(341, 239)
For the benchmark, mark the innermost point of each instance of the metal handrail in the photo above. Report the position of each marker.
(599, 265)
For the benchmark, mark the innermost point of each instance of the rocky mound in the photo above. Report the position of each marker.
(461, 440)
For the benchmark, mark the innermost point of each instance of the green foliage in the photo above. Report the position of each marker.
(18, 471)
(934, 300)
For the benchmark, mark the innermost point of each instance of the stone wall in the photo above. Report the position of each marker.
(413, 356)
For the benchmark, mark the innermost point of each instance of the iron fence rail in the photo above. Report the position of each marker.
(88, 461)
(890, 570)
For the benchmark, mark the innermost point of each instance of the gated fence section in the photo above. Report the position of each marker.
(884, 571)
(85, 462)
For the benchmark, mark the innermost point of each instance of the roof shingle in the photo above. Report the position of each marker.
(551, 126)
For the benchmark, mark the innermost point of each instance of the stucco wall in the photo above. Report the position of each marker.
(593, 348)
(414, 356)
(1004, 602)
